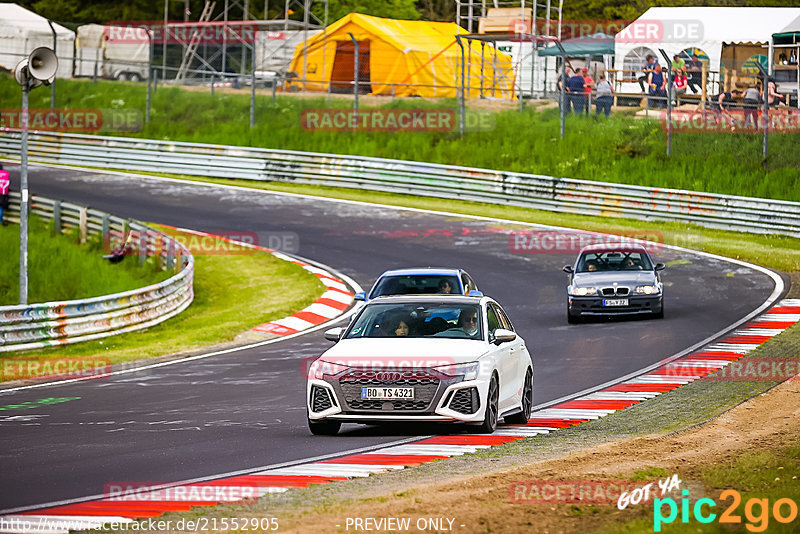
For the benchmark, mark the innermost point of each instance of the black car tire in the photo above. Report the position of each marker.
(660, 313)
(489, 424)
(324, 428)
(527, 402)
(573, 319)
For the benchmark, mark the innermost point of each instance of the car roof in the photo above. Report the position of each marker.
(432, 271)
(425, 299)
(611, 247)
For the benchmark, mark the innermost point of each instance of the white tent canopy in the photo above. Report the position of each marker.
(21, 31)
(706, 28)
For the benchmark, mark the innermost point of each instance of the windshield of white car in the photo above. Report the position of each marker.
(415, 320)
(614, 261)
(416, 285)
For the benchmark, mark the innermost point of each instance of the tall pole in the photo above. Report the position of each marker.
(164, 46)
(355, 80)
(149, 73)
(765, 118)
(461, 105)
(53, 85)
(562, 93)
(669, 102)
(23, 206)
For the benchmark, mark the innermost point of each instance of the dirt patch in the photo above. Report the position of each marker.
(481, 503)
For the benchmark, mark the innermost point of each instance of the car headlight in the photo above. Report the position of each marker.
(468, 370)
(584, 291)
(320, 368)
(646, 290)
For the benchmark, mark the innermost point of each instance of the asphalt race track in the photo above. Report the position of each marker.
(246, 409)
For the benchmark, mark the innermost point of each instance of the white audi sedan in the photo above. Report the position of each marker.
(422, 358)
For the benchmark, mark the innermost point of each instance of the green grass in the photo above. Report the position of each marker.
(619, 150)
(770, 475)
(232, 293)
(57, 267)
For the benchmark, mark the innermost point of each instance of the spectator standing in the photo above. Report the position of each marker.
(658, 83)
(561, 81)
(588, 85)
(575, 94)
(605, 96)
(647, 68)
(774, 99)
(679, 83)
(4, 185)
(752, 100)
(695, 70)
(678, 63)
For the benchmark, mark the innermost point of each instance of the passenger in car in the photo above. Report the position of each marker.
(591, 266)
(398, 326)
(445, 287)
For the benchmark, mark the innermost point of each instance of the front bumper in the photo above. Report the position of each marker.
(447, 401)
(637, 304)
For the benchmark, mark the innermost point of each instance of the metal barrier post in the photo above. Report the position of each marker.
(142, 247)
(106, 223)
(57, 217)
(23, 203)
(212, 84)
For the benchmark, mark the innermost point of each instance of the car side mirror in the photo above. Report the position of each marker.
(361, 295)
(501, 335)
(334, 334)
(567, 269)
(660, 267)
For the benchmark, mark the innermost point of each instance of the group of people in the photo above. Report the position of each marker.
(401, 325)
(578, 89)
(684, 76)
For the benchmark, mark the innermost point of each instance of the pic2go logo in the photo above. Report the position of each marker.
(756, 511)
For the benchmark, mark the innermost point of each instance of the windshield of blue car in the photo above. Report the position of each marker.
(416, 285)
(614, 261)
(417, 320)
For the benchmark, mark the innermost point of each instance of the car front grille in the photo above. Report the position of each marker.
(615, 291)
(320, 399)
(465, 401)
(425, 387)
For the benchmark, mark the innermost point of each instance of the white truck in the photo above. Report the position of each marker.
(112, 59)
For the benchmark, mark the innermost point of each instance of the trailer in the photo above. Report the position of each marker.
(97, 56)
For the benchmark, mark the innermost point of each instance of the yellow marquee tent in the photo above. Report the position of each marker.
(415, 58)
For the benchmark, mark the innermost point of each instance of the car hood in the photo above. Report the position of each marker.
(623, 278)
(399, 352)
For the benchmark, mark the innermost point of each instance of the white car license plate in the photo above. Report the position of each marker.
(387, 393)
(615, 302)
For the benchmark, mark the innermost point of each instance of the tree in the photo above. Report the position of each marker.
(392, 9)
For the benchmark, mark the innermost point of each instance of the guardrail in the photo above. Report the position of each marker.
(443, 181)
(34, 326)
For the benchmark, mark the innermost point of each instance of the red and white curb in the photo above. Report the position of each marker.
(336, 299)
(698, 364)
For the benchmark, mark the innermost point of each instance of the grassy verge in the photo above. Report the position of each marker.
(232, 294)
(57, 267)
(618, 150)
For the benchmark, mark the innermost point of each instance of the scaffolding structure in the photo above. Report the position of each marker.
(518, 27)
(250, 42)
